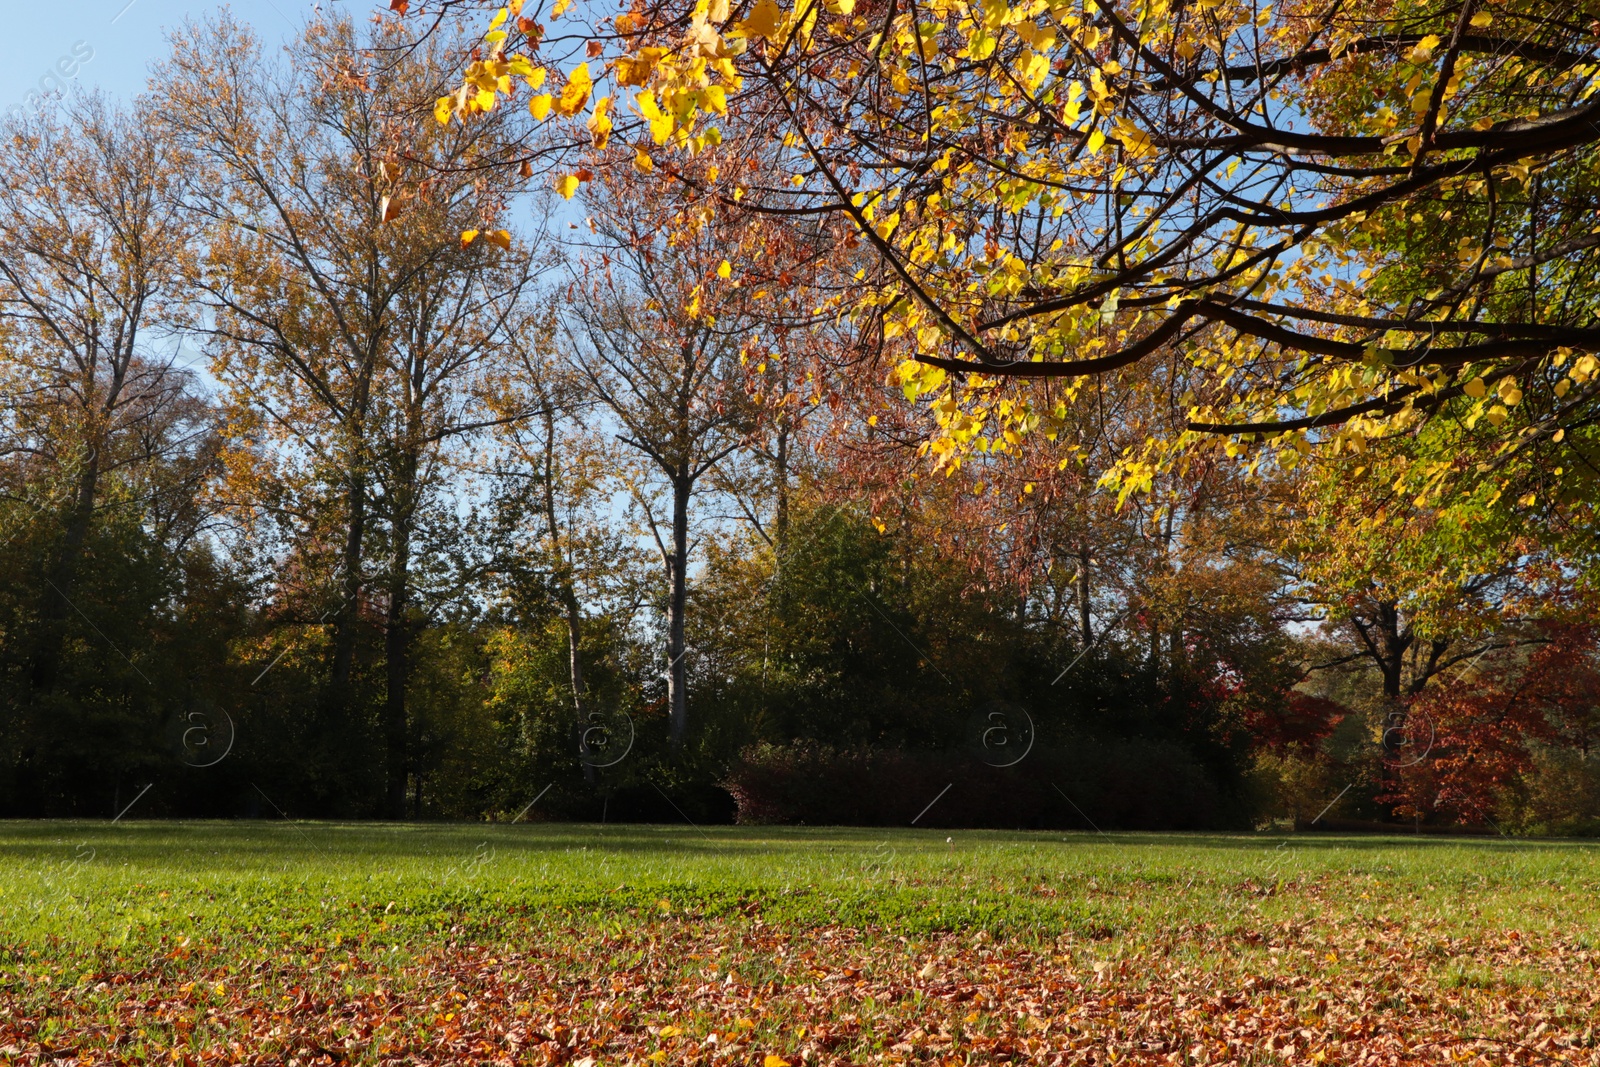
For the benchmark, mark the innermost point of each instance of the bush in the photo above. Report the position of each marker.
(1116, 785)
(1560, 796)
(1293, 785)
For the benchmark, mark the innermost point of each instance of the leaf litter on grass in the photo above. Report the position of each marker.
(1157, 951)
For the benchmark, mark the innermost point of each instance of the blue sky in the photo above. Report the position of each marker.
(124, 38)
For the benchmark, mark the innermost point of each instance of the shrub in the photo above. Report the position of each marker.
(1122, 785)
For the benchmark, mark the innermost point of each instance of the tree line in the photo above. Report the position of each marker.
(357, 464)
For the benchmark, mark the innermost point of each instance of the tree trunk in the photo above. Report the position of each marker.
(677, 605)
(568, 594)
(63, 578)
(1085, 622)
(397, 671)
(337, 696)
(780, 477)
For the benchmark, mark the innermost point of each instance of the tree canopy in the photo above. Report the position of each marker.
(1330, 223)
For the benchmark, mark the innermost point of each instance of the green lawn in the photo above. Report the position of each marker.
(220, 940)
(98, 882)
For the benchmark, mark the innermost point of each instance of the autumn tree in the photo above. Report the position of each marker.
(663, 357)
(96, 238)
(351, 324)
(1487, 719)
(561, 476)
(1348, 220)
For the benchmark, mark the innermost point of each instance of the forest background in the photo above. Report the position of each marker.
(514, 490)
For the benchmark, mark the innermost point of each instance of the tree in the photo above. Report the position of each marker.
(664, 360)
(561, 478)
(1347, 219)
(1485, 723)
(353, 328)
(96, 239)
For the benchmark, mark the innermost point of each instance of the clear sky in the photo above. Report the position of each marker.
(123, 38)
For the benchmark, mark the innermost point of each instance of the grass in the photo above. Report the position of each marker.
(219, 941)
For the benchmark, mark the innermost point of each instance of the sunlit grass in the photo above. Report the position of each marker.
(97, 882)
(372, 944)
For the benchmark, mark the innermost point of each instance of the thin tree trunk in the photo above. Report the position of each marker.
(677, 605)
(780, 475)
(1085, 622)
(342, 666)
(63, 578)
(568, 594)
(397, 670)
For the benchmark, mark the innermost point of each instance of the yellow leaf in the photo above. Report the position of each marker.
(1096, 140)
(671, 1031)
(469, 236)
(1482, 19)
(1474, 388)
(442, 109)
(501, 238)
(536, 78)
(763, 21)
(561, 5)
(566, 185)
(725, 270)
(643, 163)
(600, 122)
(576, 93)
(539, 106)
(1424, 48)
(1135, 140)
(636, 69)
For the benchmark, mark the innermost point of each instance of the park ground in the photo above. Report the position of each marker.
(320, 943)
